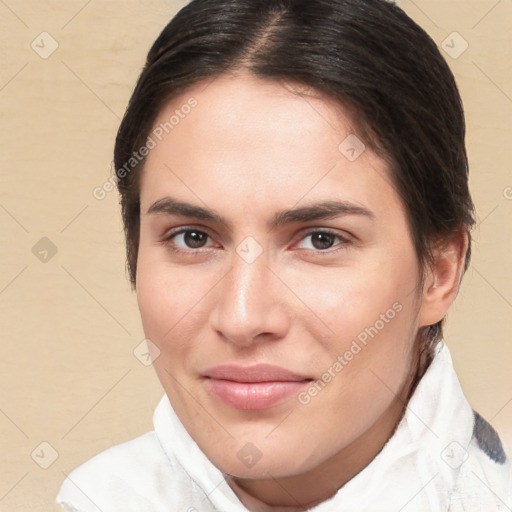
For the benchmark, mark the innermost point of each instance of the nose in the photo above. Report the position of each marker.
(249, 304)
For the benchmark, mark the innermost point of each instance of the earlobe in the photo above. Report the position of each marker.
(442, 281)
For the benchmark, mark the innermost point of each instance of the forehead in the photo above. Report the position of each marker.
(240, 138)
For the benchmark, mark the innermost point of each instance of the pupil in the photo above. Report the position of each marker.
(194, 239)
(324, 240)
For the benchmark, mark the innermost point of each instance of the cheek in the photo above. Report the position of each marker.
(368, 317)
(169, 301)
(347, 300)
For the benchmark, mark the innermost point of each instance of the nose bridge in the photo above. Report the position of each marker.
(247, 303)
(244, 296)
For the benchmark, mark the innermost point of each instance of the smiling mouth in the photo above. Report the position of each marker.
(253, 388)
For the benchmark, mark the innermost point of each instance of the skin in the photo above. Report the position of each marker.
(249, 149)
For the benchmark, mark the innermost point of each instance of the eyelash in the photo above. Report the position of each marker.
(168, 241)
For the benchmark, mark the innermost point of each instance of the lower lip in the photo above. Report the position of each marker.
(254, 396)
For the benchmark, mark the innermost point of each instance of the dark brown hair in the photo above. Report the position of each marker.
(368, 55)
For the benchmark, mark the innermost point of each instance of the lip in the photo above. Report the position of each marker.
(255, 387)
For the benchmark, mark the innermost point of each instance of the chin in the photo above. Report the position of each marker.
(262, 457)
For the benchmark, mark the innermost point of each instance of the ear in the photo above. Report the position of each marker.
(443, 279)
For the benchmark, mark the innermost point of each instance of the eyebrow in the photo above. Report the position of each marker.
(317, 211)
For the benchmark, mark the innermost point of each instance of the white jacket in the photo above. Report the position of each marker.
(443, 456)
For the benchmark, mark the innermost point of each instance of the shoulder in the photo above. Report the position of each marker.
(485, 479)
(489, 452)
(129, 476)
(488, 440)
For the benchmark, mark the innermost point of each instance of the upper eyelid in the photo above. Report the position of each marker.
(183, 229)
(344, 239)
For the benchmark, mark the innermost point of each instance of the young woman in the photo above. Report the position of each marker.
(294, 190)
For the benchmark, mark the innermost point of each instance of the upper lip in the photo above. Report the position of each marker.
(254, 373)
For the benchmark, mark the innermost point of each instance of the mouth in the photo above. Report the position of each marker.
(253, 388)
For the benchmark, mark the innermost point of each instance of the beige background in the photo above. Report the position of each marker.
(70, 324)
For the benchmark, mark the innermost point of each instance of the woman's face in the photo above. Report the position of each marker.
(276, 275)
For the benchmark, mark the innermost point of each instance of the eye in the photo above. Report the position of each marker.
(323, 240)
(186, 240)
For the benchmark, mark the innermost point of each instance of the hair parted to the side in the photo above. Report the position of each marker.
(368, 55)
